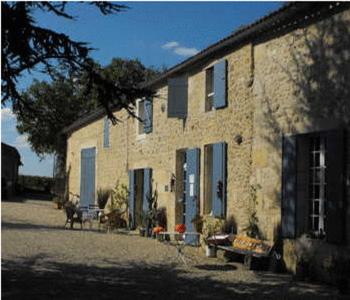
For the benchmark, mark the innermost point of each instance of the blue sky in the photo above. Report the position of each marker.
(157, 33)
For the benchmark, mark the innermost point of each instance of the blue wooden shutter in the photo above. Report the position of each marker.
(335, 212)
(147, 189)
(219, 180)
(87, 177)
(132, 199)
(220, 85)
(147, 122)
(177, 97)
(192, 192)
(106, 133)
(289, 187)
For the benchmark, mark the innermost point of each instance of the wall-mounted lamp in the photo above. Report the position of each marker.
(172, 183)
(162, 107)
(238, 139)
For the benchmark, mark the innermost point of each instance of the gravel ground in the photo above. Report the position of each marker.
(41, 260)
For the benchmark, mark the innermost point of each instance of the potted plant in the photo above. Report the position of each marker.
(157, 230)
(58, 202)
(211, 226)
(143, 227)
(102, 197)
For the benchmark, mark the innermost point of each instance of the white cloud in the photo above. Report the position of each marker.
(183, 51)
(21, 142)
(7, 114)
(170, 45)
(176, 48)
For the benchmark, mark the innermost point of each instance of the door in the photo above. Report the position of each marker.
(192, 192)
(87, 176)
(140, 191)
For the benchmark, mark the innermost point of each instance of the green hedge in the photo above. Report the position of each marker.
(36, 183)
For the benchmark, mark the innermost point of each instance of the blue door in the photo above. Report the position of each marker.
(87, 176)
(192, 192)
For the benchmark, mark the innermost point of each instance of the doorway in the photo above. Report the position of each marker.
(140, 191)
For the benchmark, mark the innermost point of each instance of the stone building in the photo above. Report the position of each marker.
(256, 124)
(10, 162)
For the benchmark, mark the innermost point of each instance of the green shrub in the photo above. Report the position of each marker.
(119, 198)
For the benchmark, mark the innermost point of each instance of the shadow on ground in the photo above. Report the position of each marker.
(39, 278)
(29, 226)
(28, 196)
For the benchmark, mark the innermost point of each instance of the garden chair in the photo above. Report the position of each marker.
(112, 220)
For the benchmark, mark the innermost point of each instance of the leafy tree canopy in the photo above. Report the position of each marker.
(27, 46)
(59, 103)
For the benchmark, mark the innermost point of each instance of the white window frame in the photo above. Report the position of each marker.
(320, 230)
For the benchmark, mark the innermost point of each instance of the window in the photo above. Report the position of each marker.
(209, 89)
(317, 185)
(216, 86)
(145, 113)
(141, 115)
(313, 185)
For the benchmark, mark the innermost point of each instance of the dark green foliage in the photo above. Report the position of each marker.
(161, 218)
(102, 197)
(230, 225)
(198, 223)
(55, 105)
(35, 183)
(26, 46)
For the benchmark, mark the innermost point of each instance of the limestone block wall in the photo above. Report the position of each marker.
(157, 150)
(290, 84)
(299, 87)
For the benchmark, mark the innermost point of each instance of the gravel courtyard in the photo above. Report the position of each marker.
(42, 260)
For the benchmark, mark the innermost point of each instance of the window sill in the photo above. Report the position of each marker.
(210, 112)
(141, 136)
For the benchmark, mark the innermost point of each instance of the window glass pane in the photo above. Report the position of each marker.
(209, 89)
(317, 143)
(317, 159)
(316, 207)
(317, 174)
(316, 191)
(317, 184)
(316, 223)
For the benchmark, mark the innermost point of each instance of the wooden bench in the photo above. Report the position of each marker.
(255, 252)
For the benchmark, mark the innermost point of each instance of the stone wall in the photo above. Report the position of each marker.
(285, 85)
(299, 87)
(157, 150)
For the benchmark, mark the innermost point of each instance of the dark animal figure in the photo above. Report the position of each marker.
(73, 215)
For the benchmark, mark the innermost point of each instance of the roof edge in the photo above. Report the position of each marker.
(276, 18)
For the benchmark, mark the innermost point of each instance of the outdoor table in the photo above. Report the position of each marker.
(179, 242)
(90, 213)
